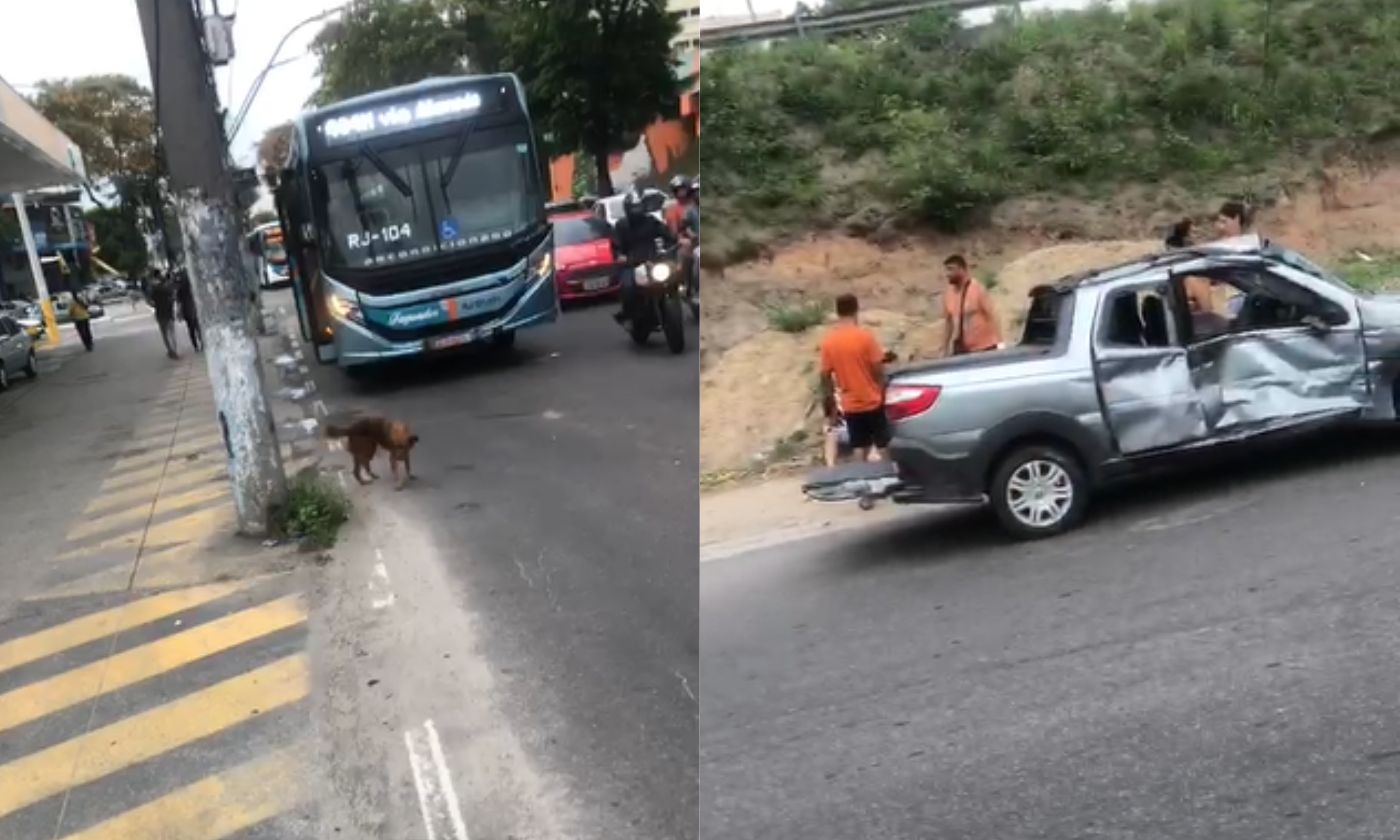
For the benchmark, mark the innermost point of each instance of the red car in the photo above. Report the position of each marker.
(584, 263)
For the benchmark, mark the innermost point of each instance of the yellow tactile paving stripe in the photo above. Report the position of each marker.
(193, 526)
(138, 514)
(213, 807)
(129, 667)
(98, 625)
(215, 475)
(109, 749)
(201, 443)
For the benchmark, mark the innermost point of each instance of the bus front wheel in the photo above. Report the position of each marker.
(504, 340)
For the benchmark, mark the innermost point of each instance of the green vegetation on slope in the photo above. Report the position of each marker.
(934, 125)
(1379, 273)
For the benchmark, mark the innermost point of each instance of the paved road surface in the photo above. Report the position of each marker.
(1211, 657)
(560, 490)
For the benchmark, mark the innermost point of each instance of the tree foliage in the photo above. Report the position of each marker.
(273, 149)
(938, 125)
(119, 239)
(384, 43)
(597, 71)
(111, 119)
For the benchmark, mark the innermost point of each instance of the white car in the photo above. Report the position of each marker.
(610, 209)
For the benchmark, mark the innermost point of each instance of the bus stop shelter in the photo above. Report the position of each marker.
(34, 154)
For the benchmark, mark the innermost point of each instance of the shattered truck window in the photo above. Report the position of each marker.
(1043, 316)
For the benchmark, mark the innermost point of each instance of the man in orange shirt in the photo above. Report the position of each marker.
(853, 366)
(969, 321)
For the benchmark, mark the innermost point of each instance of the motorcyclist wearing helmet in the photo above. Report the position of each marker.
(675, 214)
(635, 240)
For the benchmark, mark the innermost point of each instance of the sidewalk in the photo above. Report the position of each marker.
(153, 674)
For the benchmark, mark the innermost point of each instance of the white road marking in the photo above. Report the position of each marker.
(437, 798)
(340, 476)
(381, 595)
(320, 408)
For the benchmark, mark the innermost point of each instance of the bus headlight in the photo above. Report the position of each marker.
(343, 309)
(541, 265)
(661, 272)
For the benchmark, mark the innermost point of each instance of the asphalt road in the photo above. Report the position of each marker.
(564, 480)
(1213, 656)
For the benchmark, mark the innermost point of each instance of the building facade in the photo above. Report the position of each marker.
(689, 13)
(60, 238)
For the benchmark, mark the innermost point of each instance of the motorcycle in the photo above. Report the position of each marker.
(656, 303)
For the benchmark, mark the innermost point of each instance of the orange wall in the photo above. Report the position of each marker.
(667, 141)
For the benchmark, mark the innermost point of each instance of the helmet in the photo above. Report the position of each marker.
(680, 182)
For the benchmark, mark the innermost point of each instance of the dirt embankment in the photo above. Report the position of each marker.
(757, 390)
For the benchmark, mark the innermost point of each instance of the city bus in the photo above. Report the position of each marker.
(415, 217)
(270, 252)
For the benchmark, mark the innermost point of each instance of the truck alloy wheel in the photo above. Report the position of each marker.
(1038, 491)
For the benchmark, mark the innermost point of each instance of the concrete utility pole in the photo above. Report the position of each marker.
(187, 113)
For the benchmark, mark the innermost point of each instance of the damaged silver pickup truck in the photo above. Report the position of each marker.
(1134, 366)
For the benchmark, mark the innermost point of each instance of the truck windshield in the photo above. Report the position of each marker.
(393, 206)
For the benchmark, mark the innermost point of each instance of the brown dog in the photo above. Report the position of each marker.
(365, 436)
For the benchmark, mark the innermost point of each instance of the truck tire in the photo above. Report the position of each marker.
(1038, 491)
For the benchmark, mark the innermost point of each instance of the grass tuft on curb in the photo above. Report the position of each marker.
(314, 512)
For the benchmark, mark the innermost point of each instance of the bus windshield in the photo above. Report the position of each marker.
(392, 206)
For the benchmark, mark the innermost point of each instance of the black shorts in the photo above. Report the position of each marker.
(868, 428)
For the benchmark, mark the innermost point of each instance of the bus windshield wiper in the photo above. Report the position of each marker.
(456, 158)
(384, 169)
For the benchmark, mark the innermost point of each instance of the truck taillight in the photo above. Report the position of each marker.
(905, 401)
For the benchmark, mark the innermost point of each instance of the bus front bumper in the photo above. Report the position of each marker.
(357, 345)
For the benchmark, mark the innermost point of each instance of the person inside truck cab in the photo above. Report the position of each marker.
(969, 321)
(1210, 304)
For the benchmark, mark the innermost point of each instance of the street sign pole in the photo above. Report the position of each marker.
(187, 111)
(41, 286)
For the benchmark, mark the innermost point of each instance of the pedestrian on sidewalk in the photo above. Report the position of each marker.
(184, 295)
(82, 320)
(163, 302)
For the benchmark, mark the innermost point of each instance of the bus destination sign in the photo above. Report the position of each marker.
(401, 116)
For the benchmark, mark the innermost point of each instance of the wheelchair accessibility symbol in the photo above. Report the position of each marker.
(448, 229)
